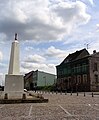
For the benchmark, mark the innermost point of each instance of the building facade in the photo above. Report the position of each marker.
(37, 78)
(79, 71)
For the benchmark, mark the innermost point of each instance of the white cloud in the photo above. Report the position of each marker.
(27, 67)
(2, 65)
(53, 52)
(91, 1)
(29, 48)
(37, 20)
(24, 70)
(35, 58)
(1, 56)
(37, 62)
(74, 13)
(88, 1)
(2, 79)
(97, 27)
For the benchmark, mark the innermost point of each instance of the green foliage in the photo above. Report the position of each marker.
(47, 88)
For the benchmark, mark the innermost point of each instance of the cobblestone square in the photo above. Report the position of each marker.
(59, 107)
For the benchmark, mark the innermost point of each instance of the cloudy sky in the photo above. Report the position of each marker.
(48, 30)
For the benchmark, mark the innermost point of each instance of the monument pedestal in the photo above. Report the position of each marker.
(14, 86)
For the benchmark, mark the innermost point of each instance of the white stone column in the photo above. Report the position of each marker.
(14, 59)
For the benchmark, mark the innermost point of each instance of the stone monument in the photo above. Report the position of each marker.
(14, 83)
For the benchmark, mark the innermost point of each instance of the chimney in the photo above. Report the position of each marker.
(94, 51)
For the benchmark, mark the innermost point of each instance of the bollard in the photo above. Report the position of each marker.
(92, 94)
(71, 93)
(65, 93)
(40, 96)
(61, 92)
(6, 96)
(77, 93)
(84, 94)
(24, 96)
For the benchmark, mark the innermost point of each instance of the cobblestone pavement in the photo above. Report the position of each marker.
(59, 107)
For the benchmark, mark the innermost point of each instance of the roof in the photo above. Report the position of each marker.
(27, 75)
(76, 55)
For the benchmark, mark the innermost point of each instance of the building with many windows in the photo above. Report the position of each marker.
(37, 78)
(79, 71)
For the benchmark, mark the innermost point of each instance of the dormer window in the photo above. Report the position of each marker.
(66, 61)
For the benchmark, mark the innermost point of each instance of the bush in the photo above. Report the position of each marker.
(45, 88)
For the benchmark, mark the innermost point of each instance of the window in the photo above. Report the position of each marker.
(85, 78)
(65, 71)
(96, 78)
(75, 69)
(74, 79)
(69, 70)
(95, 67)
(78, 68)
(84, 67)
(60, 72)
(69, 81)
(78, 79)
(35, 84)
(66, 61)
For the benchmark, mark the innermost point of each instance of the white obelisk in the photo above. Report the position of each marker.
(14, 58)
(14, 83)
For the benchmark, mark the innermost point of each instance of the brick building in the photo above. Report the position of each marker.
(79, 71)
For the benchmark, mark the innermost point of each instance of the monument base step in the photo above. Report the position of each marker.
(14, 101)
(25, 98)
